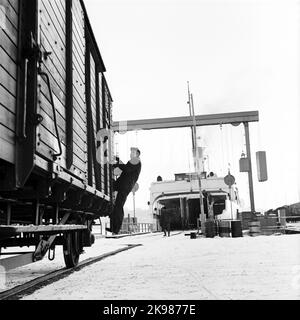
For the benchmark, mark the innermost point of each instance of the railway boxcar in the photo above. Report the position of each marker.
(54, 99)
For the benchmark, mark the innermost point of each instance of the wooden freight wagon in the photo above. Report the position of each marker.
(54, 175)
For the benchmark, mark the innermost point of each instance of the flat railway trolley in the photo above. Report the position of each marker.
(54, 99)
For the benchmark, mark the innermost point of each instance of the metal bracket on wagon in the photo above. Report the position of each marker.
(44, 245)
(41, 250)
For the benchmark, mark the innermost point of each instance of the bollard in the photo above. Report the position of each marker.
(254, 228)
(224, 228)
(210, 229)
(193, 235)
(236, 229)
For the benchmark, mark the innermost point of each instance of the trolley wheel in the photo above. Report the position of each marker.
(71, 249)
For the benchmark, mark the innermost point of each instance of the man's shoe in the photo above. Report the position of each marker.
(110, 230)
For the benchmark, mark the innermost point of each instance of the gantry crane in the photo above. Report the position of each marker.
(235, 118)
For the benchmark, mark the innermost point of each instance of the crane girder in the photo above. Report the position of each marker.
(234, 118)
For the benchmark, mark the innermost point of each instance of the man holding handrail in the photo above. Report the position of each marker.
(124, 185)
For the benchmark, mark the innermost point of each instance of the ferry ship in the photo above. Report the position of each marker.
(182, 195)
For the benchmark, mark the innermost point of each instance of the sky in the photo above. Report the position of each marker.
(237, 56)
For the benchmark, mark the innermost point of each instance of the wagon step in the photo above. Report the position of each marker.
(9, 231)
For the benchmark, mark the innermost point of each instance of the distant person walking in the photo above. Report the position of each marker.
(165, 220)
(124, 185)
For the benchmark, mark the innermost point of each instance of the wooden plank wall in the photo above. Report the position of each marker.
(79, 102)
(101, 126)
(101, 119)
(93, 103)
(8, 77)
(95, 94)
(106, 122)
(53, 39)
(111, 146)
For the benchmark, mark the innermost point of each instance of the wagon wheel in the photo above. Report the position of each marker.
(71, 249)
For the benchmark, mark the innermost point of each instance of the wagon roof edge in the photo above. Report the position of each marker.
(93, 36)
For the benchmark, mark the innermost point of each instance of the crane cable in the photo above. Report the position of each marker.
(222, 147)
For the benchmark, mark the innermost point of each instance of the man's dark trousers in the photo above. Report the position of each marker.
(118, 211)
(123, 185)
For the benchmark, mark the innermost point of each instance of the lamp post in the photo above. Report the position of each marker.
(134, 190)
(133, 196)
(250, 179)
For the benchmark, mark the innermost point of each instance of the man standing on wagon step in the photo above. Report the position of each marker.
(124, 185)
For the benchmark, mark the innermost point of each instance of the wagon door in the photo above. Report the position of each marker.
(61, 98)
(9, 45)
(18, 76)
(98, 106)
(9, 22)
(51, 141)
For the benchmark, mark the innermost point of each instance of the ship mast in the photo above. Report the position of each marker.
(196, 157)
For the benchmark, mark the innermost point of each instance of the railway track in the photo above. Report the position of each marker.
(140, 234)
(35, 284)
